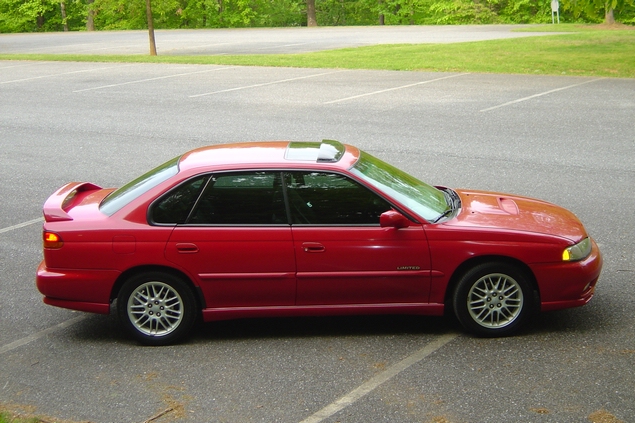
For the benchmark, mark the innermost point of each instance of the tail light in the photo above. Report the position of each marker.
(52, 240)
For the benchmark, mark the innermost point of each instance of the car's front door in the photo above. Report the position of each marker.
(237, 242)
(343, 256)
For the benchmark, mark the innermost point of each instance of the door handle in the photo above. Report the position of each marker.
(186, 248)
(313, 247)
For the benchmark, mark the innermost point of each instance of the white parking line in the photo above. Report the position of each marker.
(283, 45)
(266, 83)
(59, 74)
(368, 386)
(152, 79)
(21, 225)
(20, 342)
(539, 95)
(393, 89)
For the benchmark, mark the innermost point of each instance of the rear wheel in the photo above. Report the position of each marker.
(156, 308)
(493, 299)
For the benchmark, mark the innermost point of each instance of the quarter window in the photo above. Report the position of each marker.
(175, 206)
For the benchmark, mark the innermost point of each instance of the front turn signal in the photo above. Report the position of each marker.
(52, 240)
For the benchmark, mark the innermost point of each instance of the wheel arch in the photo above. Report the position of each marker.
(198, 295)
(464, 267)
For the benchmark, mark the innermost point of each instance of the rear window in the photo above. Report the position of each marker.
(144, 183)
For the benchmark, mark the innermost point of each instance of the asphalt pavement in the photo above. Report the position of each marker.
(251, 40)
(565, 139)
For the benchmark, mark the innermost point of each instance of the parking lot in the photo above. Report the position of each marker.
(564, 139)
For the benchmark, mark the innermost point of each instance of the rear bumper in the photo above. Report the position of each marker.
(77, 289)
(568, 284)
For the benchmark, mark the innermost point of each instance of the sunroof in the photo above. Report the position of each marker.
(325, 151)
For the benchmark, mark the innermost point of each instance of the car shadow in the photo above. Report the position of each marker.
(324, 326)
(588, 319)
(585, 320)
(108, 329)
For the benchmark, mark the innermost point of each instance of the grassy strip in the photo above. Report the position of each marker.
(588, 53)
(572, 27)
(6, 417)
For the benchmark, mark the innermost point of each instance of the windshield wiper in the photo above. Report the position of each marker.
(454, 202)
(444, 214)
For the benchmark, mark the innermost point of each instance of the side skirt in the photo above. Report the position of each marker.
(211, 314)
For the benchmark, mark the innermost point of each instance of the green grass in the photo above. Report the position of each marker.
(572, 27)
(590, 51)
(6, 417)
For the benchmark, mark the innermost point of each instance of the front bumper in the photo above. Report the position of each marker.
(568, 284)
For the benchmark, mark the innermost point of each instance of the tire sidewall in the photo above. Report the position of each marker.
(176, 283)
(469, 279)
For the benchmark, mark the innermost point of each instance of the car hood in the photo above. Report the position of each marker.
(516, 213)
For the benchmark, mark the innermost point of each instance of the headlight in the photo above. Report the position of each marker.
(578, 251)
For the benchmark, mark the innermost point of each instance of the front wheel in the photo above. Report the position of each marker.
(156, 308)
(493, 299)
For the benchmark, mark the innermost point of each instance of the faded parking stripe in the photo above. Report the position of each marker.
(21, 225)
(368, 386)
(20, 342)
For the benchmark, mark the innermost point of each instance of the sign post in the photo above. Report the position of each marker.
(554, 9)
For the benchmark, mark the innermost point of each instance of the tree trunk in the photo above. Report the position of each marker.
(90, 19)
(63, 8)
(153, 46)
(382, 18)
(608, 17)
(311, 19)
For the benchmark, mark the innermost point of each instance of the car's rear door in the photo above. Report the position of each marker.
(237, 242)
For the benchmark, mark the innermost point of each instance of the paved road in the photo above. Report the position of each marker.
(249, 41)
(564, 139)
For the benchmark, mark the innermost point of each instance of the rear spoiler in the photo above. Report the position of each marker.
(55, 205)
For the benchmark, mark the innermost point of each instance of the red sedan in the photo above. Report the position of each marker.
(305, 229)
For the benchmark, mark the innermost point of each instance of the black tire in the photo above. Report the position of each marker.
(156, 308)
(493, 299)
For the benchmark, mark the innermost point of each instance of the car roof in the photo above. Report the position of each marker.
(271, 154)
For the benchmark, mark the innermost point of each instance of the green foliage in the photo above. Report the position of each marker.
(527, 11)
(464, 12)
(347, 12)
(40, 15)
(596, 10)
(130, 14)
(45, 15)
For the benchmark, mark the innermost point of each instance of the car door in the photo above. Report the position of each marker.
(343, 256)
(236, 242)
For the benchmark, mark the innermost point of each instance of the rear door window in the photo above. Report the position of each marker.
(241, 198)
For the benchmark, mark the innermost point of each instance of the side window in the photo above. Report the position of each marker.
(331, 199)
(174, 207)
(242, 198)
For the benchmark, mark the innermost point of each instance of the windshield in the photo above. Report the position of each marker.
(427, 201)
(144, 183)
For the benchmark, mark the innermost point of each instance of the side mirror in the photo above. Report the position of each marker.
(393, 219)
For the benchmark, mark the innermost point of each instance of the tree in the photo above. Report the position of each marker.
(153, 46)
(90, 18)
(64, 20)
(311, 20)
(597, 9)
